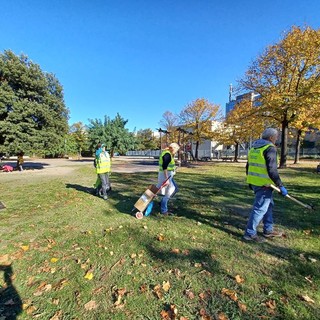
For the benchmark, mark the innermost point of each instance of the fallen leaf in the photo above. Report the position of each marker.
(242, 306)
(91, 305)
(57, 315)
(189, 294)
(222, 316)
(157, 291)
(166, 286)
(307, 299)
(239, 279)
(89, 275)
(175, 250)
(25, 248)
(271, 304)
(160, 237)
(230, 293)
(5, 260)
(54, 260)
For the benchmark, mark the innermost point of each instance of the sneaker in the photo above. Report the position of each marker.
(167, 213)
(254, 238)
(105, 197)
(272, 234)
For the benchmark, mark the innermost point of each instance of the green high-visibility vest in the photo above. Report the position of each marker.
(171, 166)
(257, 170)
(103, 163)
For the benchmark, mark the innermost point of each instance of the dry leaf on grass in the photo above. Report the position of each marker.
(242, 306)
(160, 237)
(157, 291)
(91, 305)
(57, 315)
(271, 304)
(307, 298)
(189, 294)
(166, 286)
(222, 316)
(239, 279)
(204, 315)
(170, 314)
(230, 293)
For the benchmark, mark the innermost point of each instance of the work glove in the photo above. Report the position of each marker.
(283, 191)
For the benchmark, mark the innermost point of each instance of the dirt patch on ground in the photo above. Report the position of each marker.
(62, 167)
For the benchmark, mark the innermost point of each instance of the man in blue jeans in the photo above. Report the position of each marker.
(262, 171)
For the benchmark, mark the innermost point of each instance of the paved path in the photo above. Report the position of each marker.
(62, 166)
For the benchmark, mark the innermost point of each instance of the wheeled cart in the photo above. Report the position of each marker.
(144, 204)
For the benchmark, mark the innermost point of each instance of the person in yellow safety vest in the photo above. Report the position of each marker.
(167, 169)
(103, 168)
(262, 171)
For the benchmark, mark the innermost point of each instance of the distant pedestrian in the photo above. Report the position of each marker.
(167, 169)
(20, 161)
(261, 172)
(103, 168)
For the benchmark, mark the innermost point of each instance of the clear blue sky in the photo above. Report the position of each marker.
(141, 58)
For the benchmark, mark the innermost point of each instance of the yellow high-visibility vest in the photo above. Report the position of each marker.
(171, 166)
(103, 163)
(257, 170)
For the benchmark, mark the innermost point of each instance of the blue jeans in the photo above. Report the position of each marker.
(165, 199)
(262, 210)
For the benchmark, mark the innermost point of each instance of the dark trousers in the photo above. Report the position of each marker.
(104, 177)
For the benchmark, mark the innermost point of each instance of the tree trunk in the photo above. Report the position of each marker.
(196, 152)
(236, 151)
(284, 143)
(297, 149)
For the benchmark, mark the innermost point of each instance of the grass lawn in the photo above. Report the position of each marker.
(66, 254)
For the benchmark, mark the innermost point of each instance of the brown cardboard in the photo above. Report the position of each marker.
(153, 188)
(144, 200)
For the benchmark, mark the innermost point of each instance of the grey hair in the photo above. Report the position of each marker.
(269, 133)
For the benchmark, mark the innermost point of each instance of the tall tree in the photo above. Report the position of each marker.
(112, 133)
(198, 117)
(287, 77)
(79, 131)
(146, 140)
(33, 115)
(242, 124)
(170, 122)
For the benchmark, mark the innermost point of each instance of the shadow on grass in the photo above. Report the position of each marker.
(29, 165)
(81, 188)
(10, 301)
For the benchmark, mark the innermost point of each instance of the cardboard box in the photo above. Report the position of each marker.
(145, 199)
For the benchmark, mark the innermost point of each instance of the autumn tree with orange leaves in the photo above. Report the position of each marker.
(287, 78)
(242, 124)
(308, 120)
(198, 116)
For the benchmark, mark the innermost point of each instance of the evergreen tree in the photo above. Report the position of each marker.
(112, 133)
(33, 115)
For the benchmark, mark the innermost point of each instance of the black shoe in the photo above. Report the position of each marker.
(254, 238)
(273, 234)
